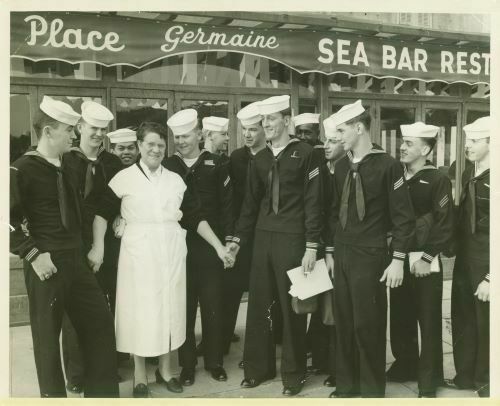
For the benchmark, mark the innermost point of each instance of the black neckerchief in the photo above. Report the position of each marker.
(89, 180)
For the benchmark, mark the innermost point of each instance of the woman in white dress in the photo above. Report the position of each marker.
(151, 283)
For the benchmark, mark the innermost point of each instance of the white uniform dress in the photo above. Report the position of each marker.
(150, 315)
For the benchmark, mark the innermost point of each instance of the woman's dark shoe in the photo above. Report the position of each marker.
(140, 390)
(218, 373)
(187, 377)
(75, 388)
(173, 385)
(330, 381)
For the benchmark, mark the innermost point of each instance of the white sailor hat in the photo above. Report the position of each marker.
(249, 114)
(213, 123)
(348, 112)
(96, 114)
(122, 135)
(306, 118)
(419, 130)
(478, 129)
(274, 104)
(59, 111)
(330, 125)
(183, 121)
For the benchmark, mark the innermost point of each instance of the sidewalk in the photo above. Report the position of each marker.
(24, 381)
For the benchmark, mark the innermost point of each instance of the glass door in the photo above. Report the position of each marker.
(131, 107)
(22, 109)
(219, 105)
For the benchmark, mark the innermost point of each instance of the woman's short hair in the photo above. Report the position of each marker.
(151, 127)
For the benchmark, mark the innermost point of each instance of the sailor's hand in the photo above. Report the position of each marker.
(43, 266)
(421, 268)
(95, 257)
(483, 291)
(393, 274)
(119, 224)
(308, 261)
(330, 264)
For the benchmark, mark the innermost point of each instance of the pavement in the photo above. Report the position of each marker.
(23, 380)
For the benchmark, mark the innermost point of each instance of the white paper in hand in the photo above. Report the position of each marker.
(415, 256)
(318, 281)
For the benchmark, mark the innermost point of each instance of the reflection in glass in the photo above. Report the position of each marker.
(55, 69)
(131, 112)
(218, 68)
(390, 131)
(20, 128)
(206, 108)
(444, 153)
(307, 85)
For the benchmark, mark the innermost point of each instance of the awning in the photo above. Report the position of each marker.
(111, 41)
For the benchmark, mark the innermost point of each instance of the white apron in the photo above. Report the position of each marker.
(150, 315)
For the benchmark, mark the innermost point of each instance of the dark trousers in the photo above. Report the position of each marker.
(470, 326)
(106, 279)
(274, 254)
(204, 284)
(418, 302)
(318, 339)
(235, 283)
(361, 318)
(74, 290)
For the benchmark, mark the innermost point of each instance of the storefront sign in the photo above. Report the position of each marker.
(118, 41)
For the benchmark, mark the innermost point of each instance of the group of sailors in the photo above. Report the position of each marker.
(121, 247)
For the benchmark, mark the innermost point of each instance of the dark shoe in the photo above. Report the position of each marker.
(140, 391)
(187, 377)
(452, 384)
(235, 338)
(292, 390)
(241, 364)
(218, 373)
(250, 383)
(336, 394)
(173, 385)
(330, 381)
(199, 349)
(75, 388)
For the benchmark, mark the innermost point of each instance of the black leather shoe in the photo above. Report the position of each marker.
(173, 385)
(235, 338)
(241, 364)
(199, 349)
(75, 388)
(330, 381)
(218, 373)
(140, 391)
(187, 377)
(336, 394)
(292, 390)
(250, 383)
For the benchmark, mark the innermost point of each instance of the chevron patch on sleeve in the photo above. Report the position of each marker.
(398, 183)
(444, 201)
(313, 173)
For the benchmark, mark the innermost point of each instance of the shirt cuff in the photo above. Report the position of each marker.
(329, 250)
(399, 255)
(229, 238)
(236, 240)
(487, 277)
(312, 245)
(32, 255)
(427, 257)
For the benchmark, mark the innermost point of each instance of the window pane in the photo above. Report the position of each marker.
(444, 153)
(205, 108)
(20, 125)
(223, 69)
(55, 69)
(307, 85)
(131, 112)
(390, 131)
(442, 89)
